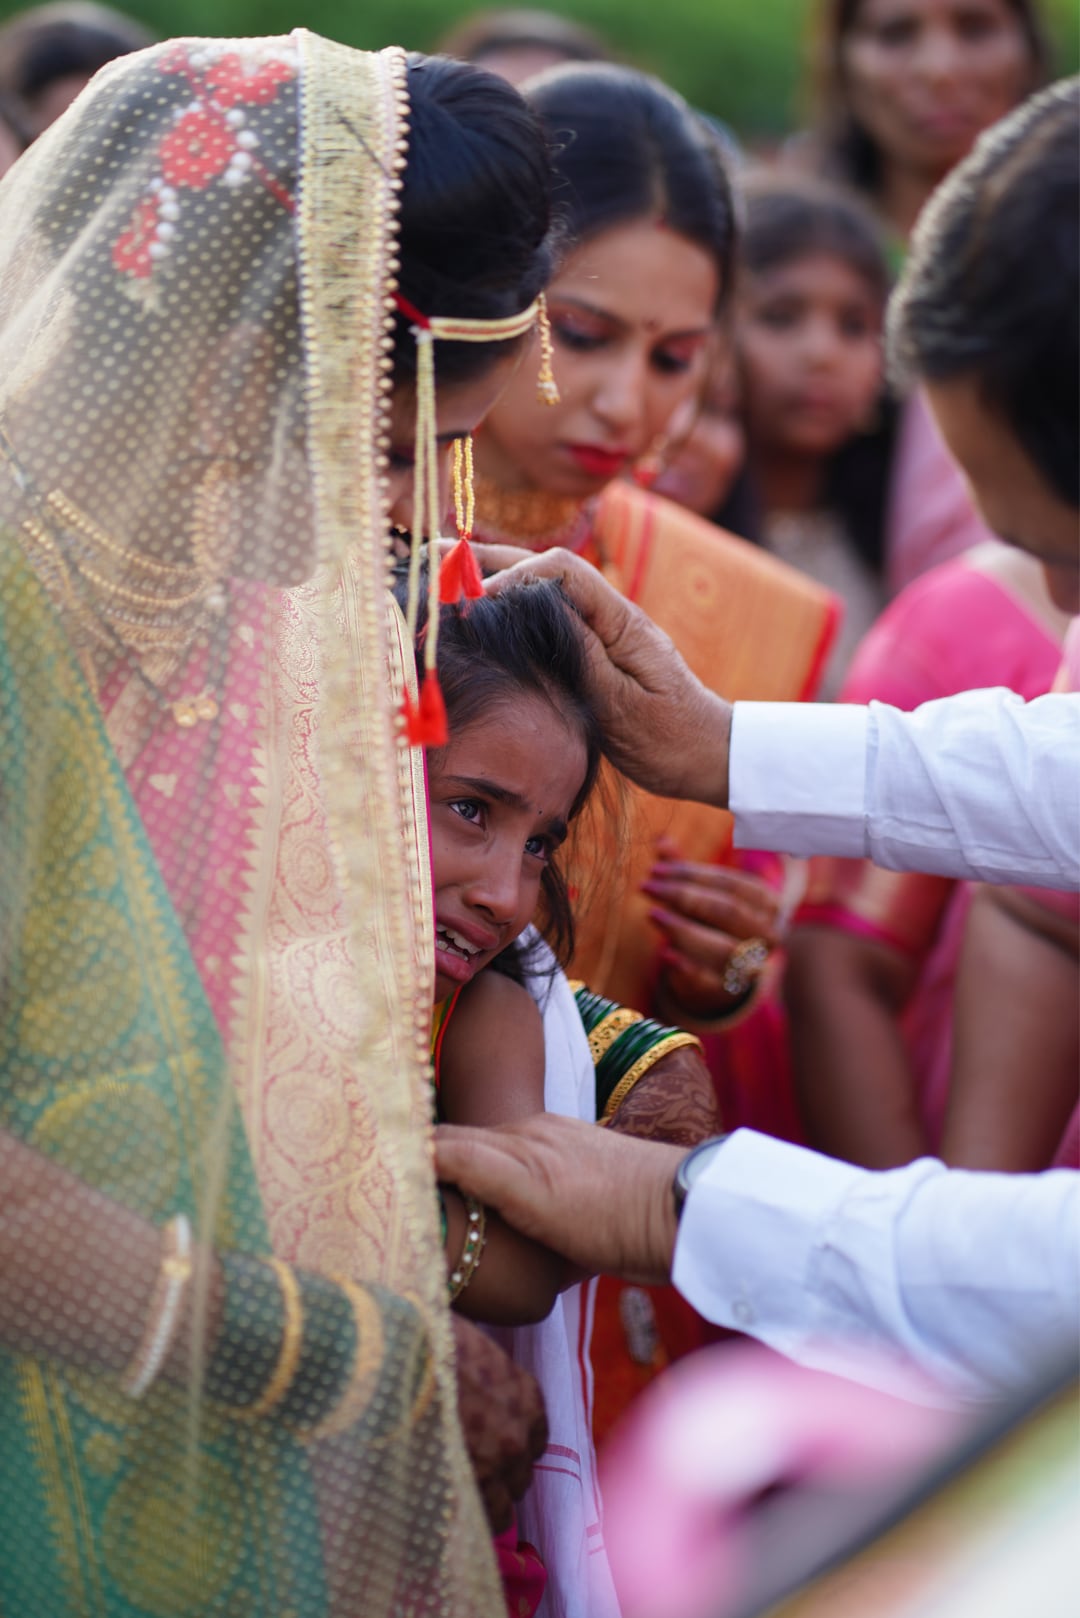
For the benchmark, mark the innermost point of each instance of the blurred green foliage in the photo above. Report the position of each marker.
(744, 60)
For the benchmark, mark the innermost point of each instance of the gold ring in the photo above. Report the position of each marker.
(744, 965)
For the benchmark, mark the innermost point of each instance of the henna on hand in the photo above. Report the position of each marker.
(675, 1101)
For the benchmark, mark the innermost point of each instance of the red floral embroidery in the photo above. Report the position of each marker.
(197, 150)
(175, 59)
(231, 80)
(131, 251)
(208, 140)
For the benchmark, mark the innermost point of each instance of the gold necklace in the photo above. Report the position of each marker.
(116, 598)
(531, 516)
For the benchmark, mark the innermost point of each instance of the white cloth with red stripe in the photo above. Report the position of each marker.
(560, 1515)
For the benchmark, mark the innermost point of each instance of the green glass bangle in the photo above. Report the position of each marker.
(630, 1046)
(592, 1008)
(328, 1349)
(251, 1335)
(250, 1332)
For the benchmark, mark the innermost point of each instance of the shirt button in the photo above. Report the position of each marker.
(743, 1312)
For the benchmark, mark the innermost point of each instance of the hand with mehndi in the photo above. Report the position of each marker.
(661, 726)
(603, 1200)
(502, 1417)
(704, 913)
(675, 1101)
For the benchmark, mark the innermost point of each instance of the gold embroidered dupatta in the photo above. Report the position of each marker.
(215, 1000)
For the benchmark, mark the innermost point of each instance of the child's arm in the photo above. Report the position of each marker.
(492, 1072)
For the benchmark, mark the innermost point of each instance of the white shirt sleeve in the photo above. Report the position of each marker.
(970, 1280)
(981, 785)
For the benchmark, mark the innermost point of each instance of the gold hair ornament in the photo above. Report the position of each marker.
(425, 720)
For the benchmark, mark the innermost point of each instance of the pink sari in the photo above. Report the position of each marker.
(957, 628)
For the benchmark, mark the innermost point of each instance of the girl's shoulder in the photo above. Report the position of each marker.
(492, 998)
(491, 1064)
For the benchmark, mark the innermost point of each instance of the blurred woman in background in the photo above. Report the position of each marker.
(903, 89)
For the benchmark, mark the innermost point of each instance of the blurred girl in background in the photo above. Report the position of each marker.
(808, 335)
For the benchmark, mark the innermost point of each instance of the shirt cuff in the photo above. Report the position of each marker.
(749, 1228)
(797, 782)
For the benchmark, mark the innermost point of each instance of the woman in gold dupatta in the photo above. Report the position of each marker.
(226, 1374)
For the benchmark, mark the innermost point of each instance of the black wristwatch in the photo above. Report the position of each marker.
(692, 1165)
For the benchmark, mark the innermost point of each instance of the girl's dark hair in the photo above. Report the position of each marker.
(788, 217)
(526, 641)
(626, 147)
(475, 210)
(991, 290)
(486, 33)
(848, 152)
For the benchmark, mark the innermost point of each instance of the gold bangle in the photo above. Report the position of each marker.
(608, 1030)
(367, 1363)
(292, 1340)
(664, 1047)
(471, 1252)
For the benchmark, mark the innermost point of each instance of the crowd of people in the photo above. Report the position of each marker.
(523, 618)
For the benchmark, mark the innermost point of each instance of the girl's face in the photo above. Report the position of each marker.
(501, 793)
(809, 335)
(631, 315)
(925, 77)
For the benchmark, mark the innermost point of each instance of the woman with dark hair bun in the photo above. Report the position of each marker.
(228, 1380)
(664, 921)
(475, 217)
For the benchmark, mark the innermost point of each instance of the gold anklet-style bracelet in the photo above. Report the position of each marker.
(475, 1237)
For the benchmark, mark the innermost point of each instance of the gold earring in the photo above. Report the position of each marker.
(213, 531)
(652, 463)
(459, 573)
(547, 389)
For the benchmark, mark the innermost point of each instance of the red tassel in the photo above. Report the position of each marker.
(460, 575)
(425, 721)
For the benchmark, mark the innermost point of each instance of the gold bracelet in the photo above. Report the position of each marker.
(366, 1366)
(673, 1042)
(163, 1316)
(475, 1237)
(292, 1340)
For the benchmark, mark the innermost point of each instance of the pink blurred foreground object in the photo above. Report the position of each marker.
(733, 1456)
